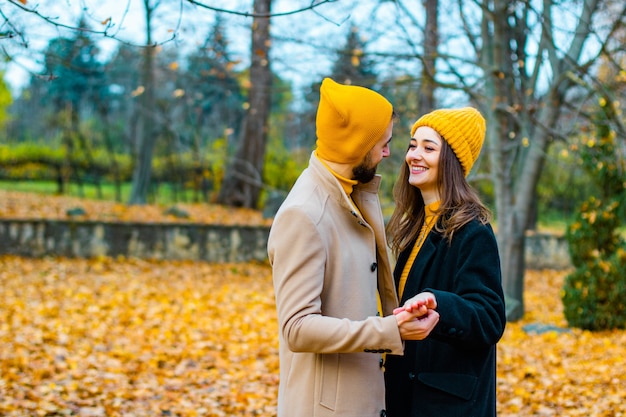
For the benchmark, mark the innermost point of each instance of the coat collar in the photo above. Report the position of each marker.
(332, 185)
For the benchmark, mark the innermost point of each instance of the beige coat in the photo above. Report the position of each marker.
(328, 262)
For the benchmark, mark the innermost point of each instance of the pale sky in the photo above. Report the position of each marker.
(298, 63)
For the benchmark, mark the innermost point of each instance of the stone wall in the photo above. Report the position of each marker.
(212, 243)
(547, 251)
(140, 240)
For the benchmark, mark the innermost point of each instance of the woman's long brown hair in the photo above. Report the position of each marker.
(459, 205)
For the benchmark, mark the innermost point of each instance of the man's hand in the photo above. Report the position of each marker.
(416, 325)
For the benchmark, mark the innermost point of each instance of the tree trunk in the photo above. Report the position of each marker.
(146, 136)
(426, 98)
(243, 179)
(519, 129)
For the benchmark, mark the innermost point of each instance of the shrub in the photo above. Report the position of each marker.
(594, 294)
(593, 233)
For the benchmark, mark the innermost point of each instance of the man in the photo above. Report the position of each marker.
(331, 267)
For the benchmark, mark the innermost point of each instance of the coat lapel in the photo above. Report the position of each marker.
(416, 280)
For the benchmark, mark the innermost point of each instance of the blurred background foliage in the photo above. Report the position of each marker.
(75, 128)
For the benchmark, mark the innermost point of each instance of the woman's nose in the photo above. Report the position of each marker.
(413, 154)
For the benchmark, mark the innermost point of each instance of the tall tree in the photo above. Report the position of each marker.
(145, 120)
(353, 65)
(426, 98)
(243, 179)
(526, 100)
(70, 80)
(214, 100)
(521, 63)
(75, 81)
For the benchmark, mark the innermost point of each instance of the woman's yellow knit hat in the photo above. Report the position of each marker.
(463, 129)
(350, 120)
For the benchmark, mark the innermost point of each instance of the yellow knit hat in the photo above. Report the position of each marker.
(350, 120)
(463, 129)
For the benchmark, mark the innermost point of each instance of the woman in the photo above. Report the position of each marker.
(447, 259)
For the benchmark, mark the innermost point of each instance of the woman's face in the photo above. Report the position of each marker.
(422, 159)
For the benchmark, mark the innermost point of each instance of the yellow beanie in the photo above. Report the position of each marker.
(350, 120)
(463, 129)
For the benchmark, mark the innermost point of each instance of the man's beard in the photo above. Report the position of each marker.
(364, 172)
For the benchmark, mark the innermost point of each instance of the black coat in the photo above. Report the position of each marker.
(453, 371)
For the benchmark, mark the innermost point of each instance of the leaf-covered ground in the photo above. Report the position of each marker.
(118, 337)
(563, 372)
(112, 337)
(23, 205)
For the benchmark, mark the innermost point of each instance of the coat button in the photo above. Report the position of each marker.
(383, 413)
(373, 266)
(411, 376)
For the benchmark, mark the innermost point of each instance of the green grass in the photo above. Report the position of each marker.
(164, 195)
(548, 222)
(29, 186)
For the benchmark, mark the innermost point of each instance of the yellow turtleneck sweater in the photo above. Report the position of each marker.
(346, 183)
(429, 222)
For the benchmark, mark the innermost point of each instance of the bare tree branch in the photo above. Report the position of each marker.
(314, 4)
(12, 32)
(106, 32)
(54, 20)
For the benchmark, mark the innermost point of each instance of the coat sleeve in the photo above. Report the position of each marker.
(298, 257)
(472, 311)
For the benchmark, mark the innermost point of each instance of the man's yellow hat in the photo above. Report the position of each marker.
(350, 120)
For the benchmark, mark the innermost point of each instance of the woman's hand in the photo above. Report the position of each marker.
(420, 304)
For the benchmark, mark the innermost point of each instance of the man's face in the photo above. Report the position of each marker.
(365, 171)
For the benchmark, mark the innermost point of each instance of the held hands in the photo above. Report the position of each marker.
(417, 318)
(419, 304)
